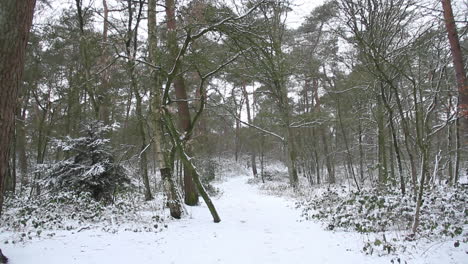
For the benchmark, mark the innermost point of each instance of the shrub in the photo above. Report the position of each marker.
(91, 167)
(443, 213)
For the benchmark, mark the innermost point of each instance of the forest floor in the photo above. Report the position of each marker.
(255, 228)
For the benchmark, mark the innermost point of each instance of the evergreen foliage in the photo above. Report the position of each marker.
(91, 167)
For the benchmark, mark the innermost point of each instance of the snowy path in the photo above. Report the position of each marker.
(255, 228)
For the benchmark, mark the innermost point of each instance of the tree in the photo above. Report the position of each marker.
(190, 191)
(317, 49)
(91, 167)
(274, 71)
(162, 154)
(391, 38)
(460, 74)
(15, 22)
(253, 159)
(131, 49)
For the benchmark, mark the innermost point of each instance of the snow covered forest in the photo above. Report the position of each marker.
(233, 131)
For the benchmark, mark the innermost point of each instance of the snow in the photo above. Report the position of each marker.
(255, 228)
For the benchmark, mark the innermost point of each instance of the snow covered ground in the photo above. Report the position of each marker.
(255, 228)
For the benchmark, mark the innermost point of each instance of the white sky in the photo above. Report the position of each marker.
(301, 8)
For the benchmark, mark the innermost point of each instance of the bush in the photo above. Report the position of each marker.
(47, 214)
(91, 168)
(208, 170)
(443, 213)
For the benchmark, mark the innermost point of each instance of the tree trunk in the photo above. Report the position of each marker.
(458, 151)
(406, 132)
(15, 22)
(394, 141)
(73, 106)
(131, 50)
(419, 199)
(262, 158)
(85, 60)
(42, 115)
(457, 57)
(292, 156)
(348, 151)
(237, 135)
(143, 148)
(103, 97)
(173, 197)
(190, 190)
(383, 172)
(10, 183)
(196, 178)
(361, 153)
(175, 205)
(289, 143)
(450, 143)
(249, 120)
(326, 152)
(187, 160)
(398, 157)
(21, 147)
(317, 166)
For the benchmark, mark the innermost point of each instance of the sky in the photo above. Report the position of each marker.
(301, 8)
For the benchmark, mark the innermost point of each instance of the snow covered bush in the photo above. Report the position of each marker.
(208, 169)
(444, 211)
(91, 167)
(71, 211)
(275, 180)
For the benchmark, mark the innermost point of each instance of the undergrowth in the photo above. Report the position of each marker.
(444, 215)
(43, 216)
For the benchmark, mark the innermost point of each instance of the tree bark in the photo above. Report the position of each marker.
(103, 97)
(143, 159)
(395, 142)
(382, 150)
(348, 151)
(170, 189)
(238, 109)
(361, 153)
(188, 163)
(449, 143)
(15, 22)
(419, 199)
(85, 60)
(249, 119)
(328, 159)
(190, 190)
(21, 143)
(131, 50)
(462, 80)
(10, 185)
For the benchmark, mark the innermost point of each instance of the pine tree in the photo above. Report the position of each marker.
(91, 167)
